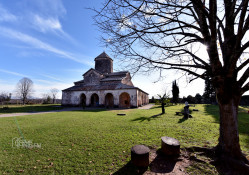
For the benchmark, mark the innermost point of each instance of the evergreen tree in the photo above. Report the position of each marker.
(175, 92)
(152, 99)
(209, 93)
(198, 98)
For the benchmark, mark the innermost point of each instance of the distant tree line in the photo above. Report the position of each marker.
(23, 94)
(208, 97)
(4, 98)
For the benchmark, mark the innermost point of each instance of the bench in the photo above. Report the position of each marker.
(178, 113)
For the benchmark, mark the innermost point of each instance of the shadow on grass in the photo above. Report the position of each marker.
(223, 166)
(30, 108)
(183, 119)
(160, 164)
(243, 119)
(159, 106)
(129, 168)
(199, 162)
(141, 119)
(163, 164)
(88, 110)
(212, 110)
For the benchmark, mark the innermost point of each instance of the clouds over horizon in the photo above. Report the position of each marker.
(43, 17)
(40, 40)
(41, 86)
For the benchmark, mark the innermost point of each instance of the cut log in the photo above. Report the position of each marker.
(170, 146)
(140, 155)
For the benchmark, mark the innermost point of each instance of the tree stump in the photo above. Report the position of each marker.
(140, 155)
(170, 146)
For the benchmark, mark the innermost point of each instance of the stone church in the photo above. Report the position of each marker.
(105, 88)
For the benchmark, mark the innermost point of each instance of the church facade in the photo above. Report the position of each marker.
(105, 88)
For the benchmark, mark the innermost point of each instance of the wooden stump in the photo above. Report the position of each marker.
(140, 155)
(170, 146)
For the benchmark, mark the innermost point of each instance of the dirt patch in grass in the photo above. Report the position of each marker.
(190, 161)
(161, 164)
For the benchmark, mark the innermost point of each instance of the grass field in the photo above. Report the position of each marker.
(99, 141)
(28, 108)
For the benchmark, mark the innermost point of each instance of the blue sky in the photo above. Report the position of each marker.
(53, 42)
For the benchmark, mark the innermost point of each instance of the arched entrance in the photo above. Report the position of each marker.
(109, 101)
(83, 100)
(124, 100)
(94, 100)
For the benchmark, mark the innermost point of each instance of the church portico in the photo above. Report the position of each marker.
(104, 98)
(104, 88)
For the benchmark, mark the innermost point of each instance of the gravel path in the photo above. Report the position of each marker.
(148, 106)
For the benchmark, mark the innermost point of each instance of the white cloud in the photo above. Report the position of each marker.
(35, 43)
(51, 77)
(13, 73)
(43, 81)
(48, 24)
(6, 16)
(47, 8)
(9, 88)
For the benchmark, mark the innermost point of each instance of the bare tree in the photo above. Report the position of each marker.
(4, 97)
(172, 34)
(46, 98)
(163, 98)
(24, 89)
(54, 93)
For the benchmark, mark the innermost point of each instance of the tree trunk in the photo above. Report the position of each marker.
(229, 135)
(163, 109)
(228, 148)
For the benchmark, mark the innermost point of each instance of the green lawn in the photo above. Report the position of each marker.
(28, 108)
(99, 141)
